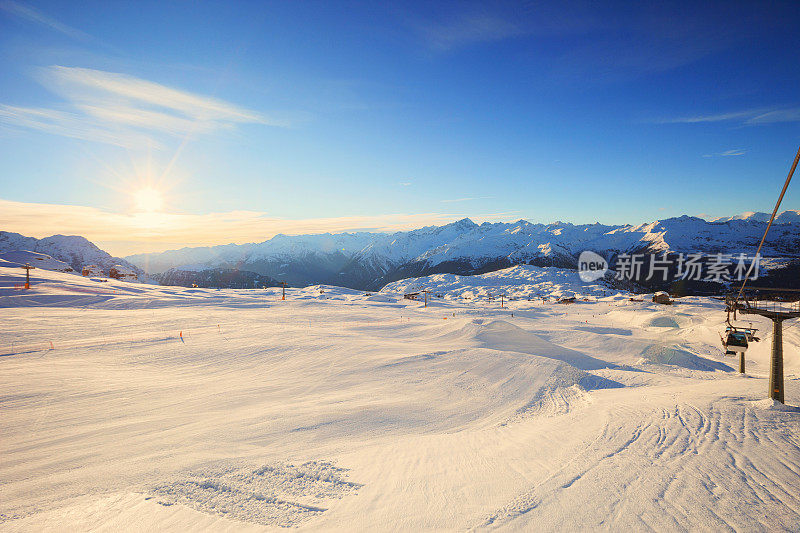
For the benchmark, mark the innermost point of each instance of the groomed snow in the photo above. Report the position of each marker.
(130, 407)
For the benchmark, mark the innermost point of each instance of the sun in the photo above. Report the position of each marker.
(148, 200)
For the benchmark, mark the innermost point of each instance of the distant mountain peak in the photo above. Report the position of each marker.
(465, 223)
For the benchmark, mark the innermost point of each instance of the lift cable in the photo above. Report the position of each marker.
(771, 219)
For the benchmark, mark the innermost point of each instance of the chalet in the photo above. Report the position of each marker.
(122, 273)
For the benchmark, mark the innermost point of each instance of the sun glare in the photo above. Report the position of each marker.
(148, 200)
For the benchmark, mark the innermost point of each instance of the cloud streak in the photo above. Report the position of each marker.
(122, 110)
(445, 28)
(780, 115)
(468, 199)
(71, 125)
(83, 84)
(727, 153)
(124, 234)
(30, 14)
(467, 29)
(747, 117)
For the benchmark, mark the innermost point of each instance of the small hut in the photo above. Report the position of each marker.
(662, 297)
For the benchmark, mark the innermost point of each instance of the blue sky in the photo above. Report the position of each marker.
(253, 118)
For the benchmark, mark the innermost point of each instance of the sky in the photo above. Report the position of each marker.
(147, 126)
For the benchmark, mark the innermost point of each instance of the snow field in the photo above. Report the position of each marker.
(342, 411)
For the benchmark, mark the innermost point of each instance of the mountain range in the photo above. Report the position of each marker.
(74, 250)
(368, 261)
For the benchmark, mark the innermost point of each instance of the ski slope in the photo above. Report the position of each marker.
(142, 408)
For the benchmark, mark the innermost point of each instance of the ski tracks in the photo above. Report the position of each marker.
(653, 466)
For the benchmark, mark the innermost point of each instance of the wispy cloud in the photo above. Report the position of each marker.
(727, 153)
(759, 115)
(118, 109)
(467, 29)
(139, 232)
(719, 117)
(83, 84)
(779, 115)
(468, 199)
(31, 14)
(71, 125)
(449, 27)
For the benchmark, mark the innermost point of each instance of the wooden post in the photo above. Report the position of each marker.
(284, 290)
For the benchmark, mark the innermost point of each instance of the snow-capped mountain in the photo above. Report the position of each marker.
(76, 251)
(786, 217)
(522, 282)
(20, 258)
(370, 260)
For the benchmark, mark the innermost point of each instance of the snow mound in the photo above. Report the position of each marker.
(566, 389)
(677, 356)
(502, 335)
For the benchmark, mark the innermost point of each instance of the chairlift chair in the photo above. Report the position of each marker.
(735, 342)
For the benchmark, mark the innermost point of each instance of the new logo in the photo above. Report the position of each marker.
(591, 266)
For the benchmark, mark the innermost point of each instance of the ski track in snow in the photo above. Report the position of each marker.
(689, 462)
(161, 408)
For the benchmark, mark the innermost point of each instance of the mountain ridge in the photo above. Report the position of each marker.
(367, 260)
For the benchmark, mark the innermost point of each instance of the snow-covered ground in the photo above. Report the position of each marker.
(131, 407)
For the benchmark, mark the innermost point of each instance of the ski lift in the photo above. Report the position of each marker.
(735, 341)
